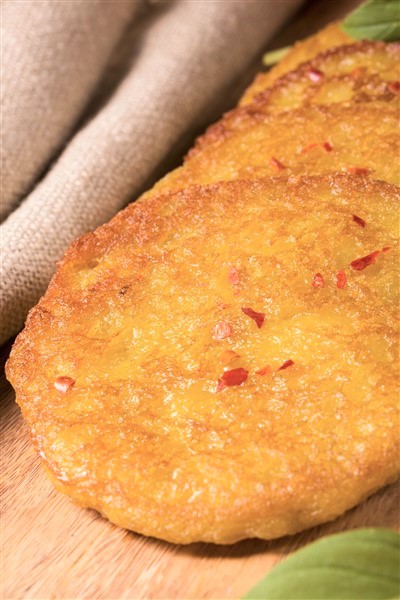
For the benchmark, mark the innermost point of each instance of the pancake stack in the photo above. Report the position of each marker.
(220, 360)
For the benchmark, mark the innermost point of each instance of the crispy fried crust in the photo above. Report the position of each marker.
(355, 73)
(364, 136)
(347, 73)
(303, 51)
(130, 316)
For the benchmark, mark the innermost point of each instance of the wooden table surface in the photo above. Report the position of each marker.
(52, 549)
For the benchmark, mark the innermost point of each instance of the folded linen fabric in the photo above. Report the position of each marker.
(186, 54)
(53, 56)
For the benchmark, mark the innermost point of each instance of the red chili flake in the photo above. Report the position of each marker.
(394, 86)
(257, 317)
(360, 263)
(315, 75)
(327, 146)
(233, 276)
(341, 279)
(276, 164)
(357, 170)
(309, 147)
(286, 364)
(318, 281)
(232, 377)
(227, 356)
(222, 330)
(386, 249)
(264, 371)
(64, 383)
(222, 305)
(359, 220)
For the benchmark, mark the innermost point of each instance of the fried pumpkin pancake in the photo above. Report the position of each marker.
(302, 51)
(361, 72)
(353, 73)
(356, 139)
(220, 363)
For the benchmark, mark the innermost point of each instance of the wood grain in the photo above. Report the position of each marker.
(52, 549)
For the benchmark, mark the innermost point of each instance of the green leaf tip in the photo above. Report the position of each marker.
(359, 565)
(374, 20)
(274, 56)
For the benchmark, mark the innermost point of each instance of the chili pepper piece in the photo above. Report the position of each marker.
(341, 279)
(258, 317)
(233, 276)
(234, 377)
(360, 263)
(318, 281)
(264, 371)
(394, 86)
(359, 220)
(309, 147)
(222, 330)
(315, 75)
(286, 364)
(64, 383)
(222, 305)
(358, 171)
(276, 164)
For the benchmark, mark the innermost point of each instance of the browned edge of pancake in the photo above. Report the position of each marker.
(237, 116)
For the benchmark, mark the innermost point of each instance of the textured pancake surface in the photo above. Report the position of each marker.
(355, 139)
(302, 51)
(145, 316)
(352, 73)
(361, 72)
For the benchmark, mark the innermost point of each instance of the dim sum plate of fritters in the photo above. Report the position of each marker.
(219, 361)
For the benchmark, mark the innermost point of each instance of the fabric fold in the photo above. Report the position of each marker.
(188, 55)
(53, 54)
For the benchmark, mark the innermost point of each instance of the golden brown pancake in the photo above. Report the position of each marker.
(361, 72)
(353, 73)
(303, 51)
(357, 139)
(220, 363)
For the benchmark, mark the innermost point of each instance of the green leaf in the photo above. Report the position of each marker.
(356, 565)
(374, 20)
(274, 56)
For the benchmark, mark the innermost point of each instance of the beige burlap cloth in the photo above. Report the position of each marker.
(96, 95)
